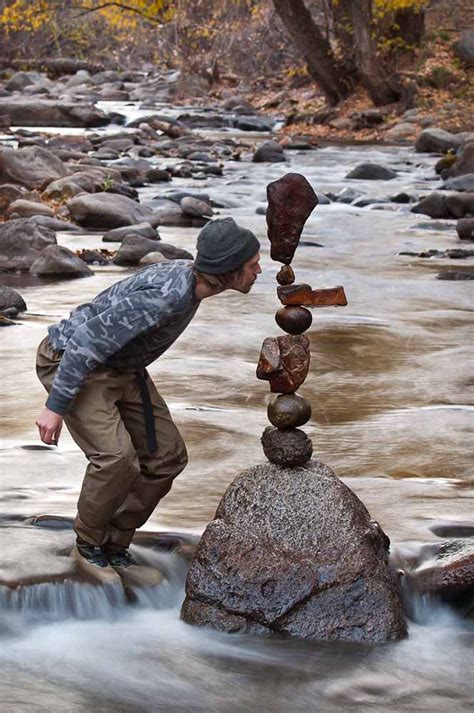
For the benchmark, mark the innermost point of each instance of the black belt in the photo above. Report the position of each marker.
(147, 412)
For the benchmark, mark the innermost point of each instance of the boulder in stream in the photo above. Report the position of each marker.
(269, 152)
(26, 209)
(58, 260)
(465, 228)
(437, 141)
(372, 172)
(135, 247)
(32, 166)
(293, 551)
(11, 302)
(21, 242)
(107, 210)
(31, 111)
(144, 230)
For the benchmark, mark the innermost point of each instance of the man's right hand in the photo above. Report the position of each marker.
(49, 426)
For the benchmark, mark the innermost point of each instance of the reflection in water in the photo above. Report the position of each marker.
(392, 404)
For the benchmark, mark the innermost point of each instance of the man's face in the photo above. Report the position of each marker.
(248, 274)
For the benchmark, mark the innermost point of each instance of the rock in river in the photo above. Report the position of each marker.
(294, 551)
(107, 210)
(465, 228)
(134, 248)
(372, 172)
(58, 260)
(21, 242)
(270, 152)
(288, 448)
(288, 411)
(26, 111)
(11, 302)
(32, 166)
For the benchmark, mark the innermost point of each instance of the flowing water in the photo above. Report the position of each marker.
(391, 388)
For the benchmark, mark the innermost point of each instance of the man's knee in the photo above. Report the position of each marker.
(117, 462)
(169, 461)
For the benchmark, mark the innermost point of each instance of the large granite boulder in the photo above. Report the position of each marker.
(32, 111)
(58, 260)
(107, 210)
(135, 247)
(11, 302)
(294, 551)
(437, 141)
(32, 166)
(21, 242)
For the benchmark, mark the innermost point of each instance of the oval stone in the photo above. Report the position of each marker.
(294, 320)
(288, 411)
(286, 275)
(288, 448)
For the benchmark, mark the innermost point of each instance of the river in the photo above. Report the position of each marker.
(392, 411)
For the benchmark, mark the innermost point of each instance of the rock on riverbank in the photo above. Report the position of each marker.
(294, 551)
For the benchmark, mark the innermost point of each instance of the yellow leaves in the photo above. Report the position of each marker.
(385, 7)
(25, 16)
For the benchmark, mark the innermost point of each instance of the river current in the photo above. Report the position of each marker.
(391, 388)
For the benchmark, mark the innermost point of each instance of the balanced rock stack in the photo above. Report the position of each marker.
(284, 361)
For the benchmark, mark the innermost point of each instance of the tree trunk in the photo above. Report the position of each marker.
(342, 27)
(315, 49)
(374, 77)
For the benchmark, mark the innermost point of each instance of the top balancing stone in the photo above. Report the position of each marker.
(291, 200)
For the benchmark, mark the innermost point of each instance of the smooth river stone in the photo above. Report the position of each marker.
(284, 362)
(303, 295)
(291, 200)
(288, 411)
(288, 448)
(286, 276)
(294, 320)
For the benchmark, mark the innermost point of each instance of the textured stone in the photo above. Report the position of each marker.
(437, 141)
(11, 302)
(58, 260)
(134, 248)
(465, 228)
(372, 172)
(285, 276)
(107, 210)
(294, 320)
(293, 551)
(284, 362)
(289, 448)
(32, 166)
(21, 242)
(291, 200)
(288, 411)
(303, 295)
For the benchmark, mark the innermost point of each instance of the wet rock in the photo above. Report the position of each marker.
(465, 228)
(50, 522)
(134, 248)
(348, 195)
(20, 80)
(11, 302)
(402, 198)
(176, 195)
(464, 163)
(301, 295)
(285, 275)
(288, 411)
(456, 275)
(460, 183)
(269, 152)
(26, 209)
(460, 205)
(284, 362)
(151, 259)
(464, 48)
(294, 320)
(95, 257)
(195, 207)
(372, 172)
(288, 448)
(58, 260)
(31, 167)
(291, 200)
(436, 141)
(433, 205)
(253, 123)
(55, 224)
(293, 551)
(448, 574)
(236, 101)
(107, 210)
(8, 194)
(403, 130)
(51, 112)
(21, 243)
(144, 230)
(78, 144)
(70, 186)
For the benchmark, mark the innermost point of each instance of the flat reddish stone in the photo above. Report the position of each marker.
(293, 319)
(286, 276)
(288, 411)
(303, 295)
(284, 362)
(291, 200)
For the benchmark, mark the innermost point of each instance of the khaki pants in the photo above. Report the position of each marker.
(123, 482)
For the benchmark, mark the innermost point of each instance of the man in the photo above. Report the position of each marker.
(93, 366)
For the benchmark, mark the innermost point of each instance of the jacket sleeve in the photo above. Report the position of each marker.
(96, 340)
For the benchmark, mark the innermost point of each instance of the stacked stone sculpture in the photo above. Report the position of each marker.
(284, 361)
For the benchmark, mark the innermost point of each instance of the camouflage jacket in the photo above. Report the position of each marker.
(126, 327)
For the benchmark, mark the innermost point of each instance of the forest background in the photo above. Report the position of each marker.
(316, 62)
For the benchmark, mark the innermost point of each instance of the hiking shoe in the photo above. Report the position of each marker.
(132, 573)
(92, 562)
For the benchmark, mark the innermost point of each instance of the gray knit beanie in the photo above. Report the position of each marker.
(222, 246)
